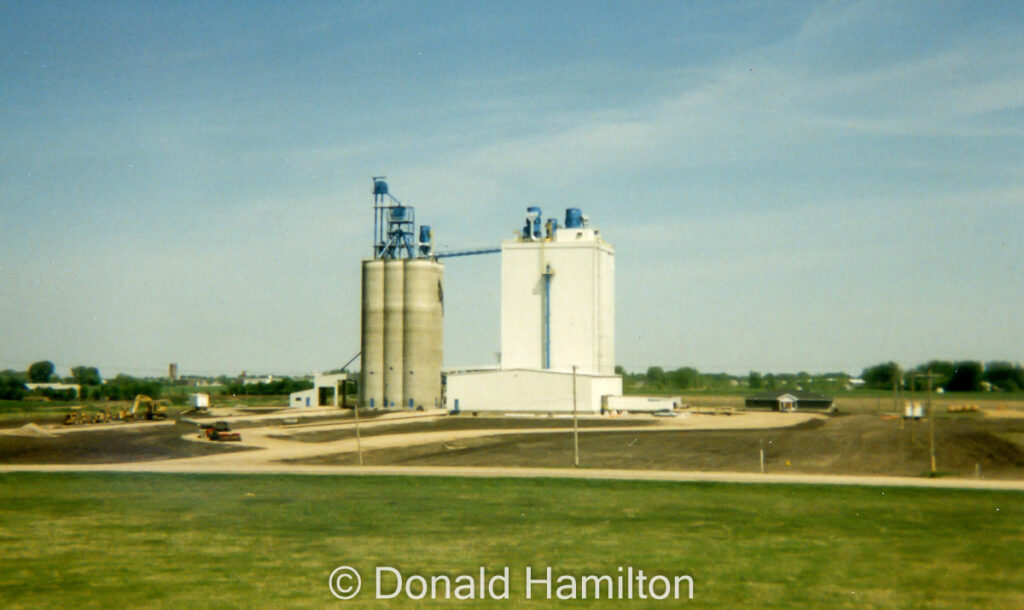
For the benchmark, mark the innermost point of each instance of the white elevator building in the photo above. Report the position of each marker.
(558, 302)
(557, 315)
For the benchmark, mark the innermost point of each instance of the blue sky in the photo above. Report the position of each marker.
(789, 186)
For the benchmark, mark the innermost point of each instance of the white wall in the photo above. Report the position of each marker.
(312, 397)
(305, 398)
(56, 386)
(321, 380)
(528, 391)
(606, 314)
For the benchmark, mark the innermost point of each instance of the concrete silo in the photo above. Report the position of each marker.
(394, 319)
(372, 337)
(402, 313)
(422, 334)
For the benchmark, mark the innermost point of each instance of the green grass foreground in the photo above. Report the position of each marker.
(173, 541)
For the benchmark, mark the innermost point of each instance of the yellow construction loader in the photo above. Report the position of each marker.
(77, 415)
(74, 417)
(146, 408)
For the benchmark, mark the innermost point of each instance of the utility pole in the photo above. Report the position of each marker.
(913, 418)
(931, 423)
(762, 455)
(575, 424)
(928, 376)
(359, 441)
(899, 399)
(896, 397)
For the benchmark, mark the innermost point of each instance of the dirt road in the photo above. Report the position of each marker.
(272, 443)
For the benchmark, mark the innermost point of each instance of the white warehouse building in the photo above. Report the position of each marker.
(557, 314)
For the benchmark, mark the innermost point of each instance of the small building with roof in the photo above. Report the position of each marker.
(791, 400)
(326, 391)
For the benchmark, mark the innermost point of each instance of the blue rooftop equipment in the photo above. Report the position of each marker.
(425, 235)
(573, 218)
(551, 226)
(532, 228)
(394, 224)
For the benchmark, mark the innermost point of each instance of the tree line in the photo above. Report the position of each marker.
(278, 387)
(962, 376)
(959, 376)
(121, 387)
(93, 387)
(690, 379)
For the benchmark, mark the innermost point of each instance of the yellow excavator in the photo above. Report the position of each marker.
(146, 408)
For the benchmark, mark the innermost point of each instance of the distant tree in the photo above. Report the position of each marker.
(126, 387)
(685, 378)
(656, 377)
(966, 377)
(940, 370)
(716, 381)
(881, 376)
(278, 387)
(55, 394)
(40, 372)
(770, 382)
(619, 370)
(21, 376)
(754, 380)
(11, 386)
(1005, 376)
(86, 375)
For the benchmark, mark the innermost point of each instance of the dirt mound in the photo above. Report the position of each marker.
(125, 443)
(986, 447)
(30, 430)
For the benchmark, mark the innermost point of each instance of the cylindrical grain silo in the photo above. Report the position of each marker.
(394, 314)
(437, 337)
(371, 384)
(423, 334)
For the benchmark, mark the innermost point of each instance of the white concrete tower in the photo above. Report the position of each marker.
(558, 297)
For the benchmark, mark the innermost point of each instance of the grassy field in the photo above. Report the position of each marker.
(126, 540)
(20, 411)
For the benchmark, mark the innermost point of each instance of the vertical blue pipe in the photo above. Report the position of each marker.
(547, 317)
